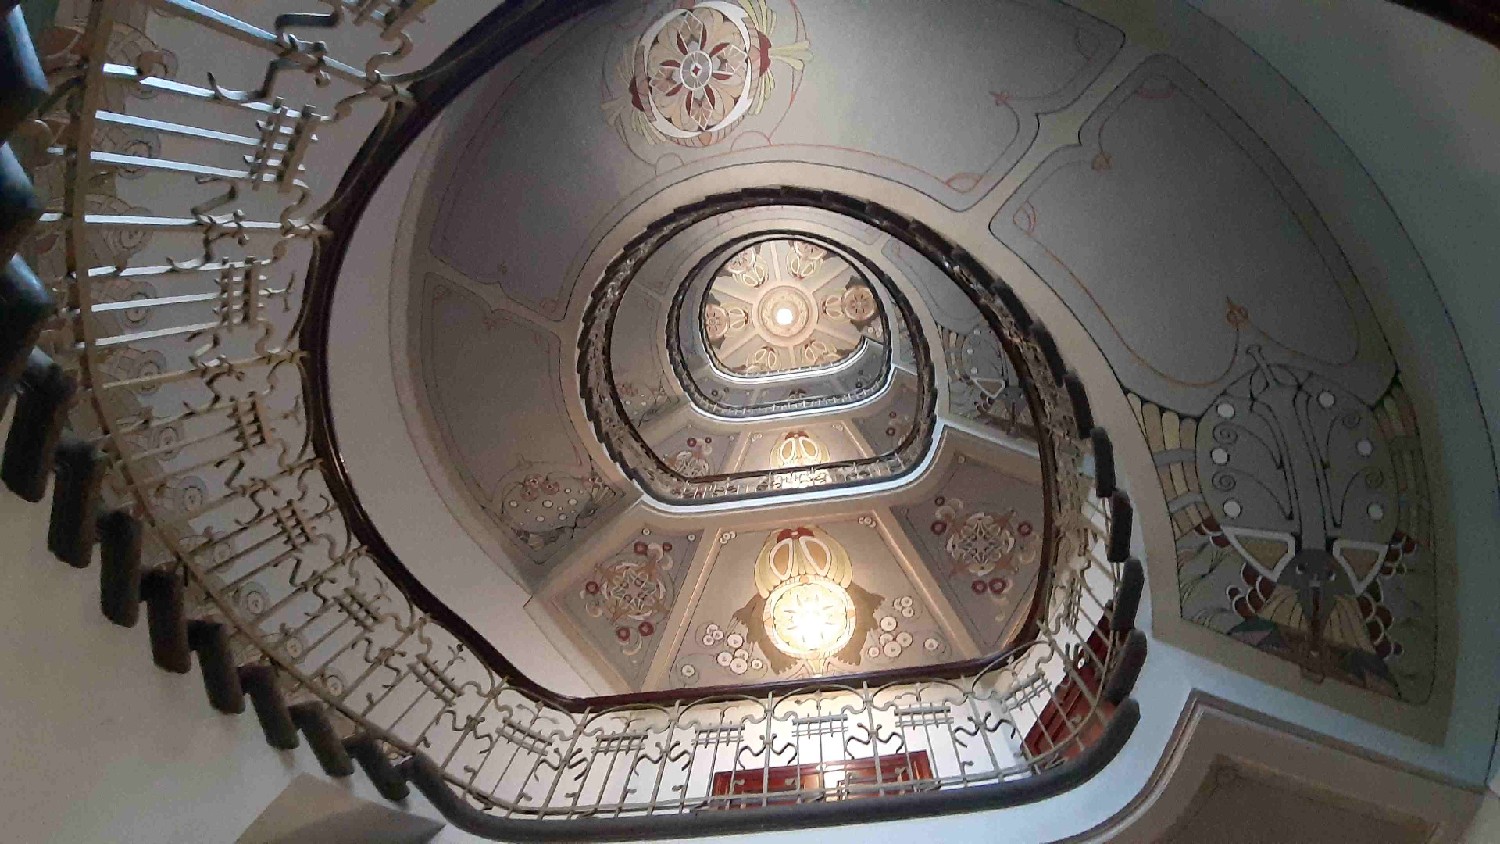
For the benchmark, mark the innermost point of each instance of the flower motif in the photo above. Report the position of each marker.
(646, 628)
(700, 66)
(859, 304)
(715, 322)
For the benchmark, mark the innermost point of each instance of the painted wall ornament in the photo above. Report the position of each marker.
(699, 70)
(544, 510)
(1306, 526)
(798, 448)
(983, 384)
(633, 592)
(692, 460)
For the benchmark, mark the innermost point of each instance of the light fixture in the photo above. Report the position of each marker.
(803, 575)
(784, 316)
(809, 617)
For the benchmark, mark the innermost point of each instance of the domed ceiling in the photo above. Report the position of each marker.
(647, 408)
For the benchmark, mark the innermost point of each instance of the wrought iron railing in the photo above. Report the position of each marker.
(191, 239)
(623, 440)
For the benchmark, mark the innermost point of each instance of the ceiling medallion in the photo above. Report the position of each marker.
(785, 313)
(701, 71)
(803, 575)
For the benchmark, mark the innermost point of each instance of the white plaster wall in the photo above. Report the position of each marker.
(99, 744)
(382, 458)
(1419, 103)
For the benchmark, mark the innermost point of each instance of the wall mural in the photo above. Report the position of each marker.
(713, 82)
(822, 599)
(1286, 447)
(623, 603)
(703, 67)
(980, 534)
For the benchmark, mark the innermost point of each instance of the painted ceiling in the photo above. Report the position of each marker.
(1143, 194)
(786, 305)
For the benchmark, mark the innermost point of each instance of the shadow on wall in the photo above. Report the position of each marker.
(313, 809)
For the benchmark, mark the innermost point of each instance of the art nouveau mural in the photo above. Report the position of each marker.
(1284, 442)
(542, 496)
(980, 534)
(623, 602)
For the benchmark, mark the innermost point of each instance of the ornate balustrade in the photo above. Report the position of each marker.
(190, 237)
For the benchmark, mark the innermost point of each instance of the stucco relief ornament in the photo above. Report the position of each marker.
(691, 460)
(857, 303)
(543, 510)
(699, 70)
(805, 259)
(748, 267)
(983, 546)
(632, 592)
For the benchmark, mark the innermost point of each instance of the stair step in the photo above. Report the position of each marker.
(164, 594)
(221, 678)
(73, 530)
(19, 205)
(1122, 679)
(1122, 512)
(259, 682)
(120, 568)
(1083, 414)
(314, 722)
(25, 305)
(367, 751)
(31, 447)
(23, 85)
(1104, 463)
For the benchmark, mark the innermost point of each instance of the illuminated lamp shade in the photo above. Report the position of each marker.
(796, 449)
(802, 573)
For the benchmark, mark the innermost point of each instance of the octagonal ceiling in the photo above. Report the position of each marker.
(1137, 191)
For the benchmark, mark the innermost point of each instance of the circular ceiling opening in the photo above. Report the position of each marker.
(788, 305)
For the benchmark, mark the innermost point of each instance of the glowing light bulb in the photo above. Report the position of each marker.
(784, 316)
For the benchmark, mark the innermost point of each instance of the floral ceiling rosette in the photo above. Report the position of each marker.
(699, 70)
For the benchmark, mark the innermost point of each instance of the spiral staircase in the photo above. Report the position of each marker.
(144, 349)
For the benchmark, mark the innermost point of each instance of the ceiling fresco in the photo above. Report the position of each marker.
(786, 305)
(1154, 211)
(981, 534)
(621, 605)
(789, 82)
(805, 601)
(540, 497)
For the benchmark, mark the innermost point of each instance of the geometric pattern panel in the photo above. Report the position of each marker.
(623, 603)
(980, 534)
